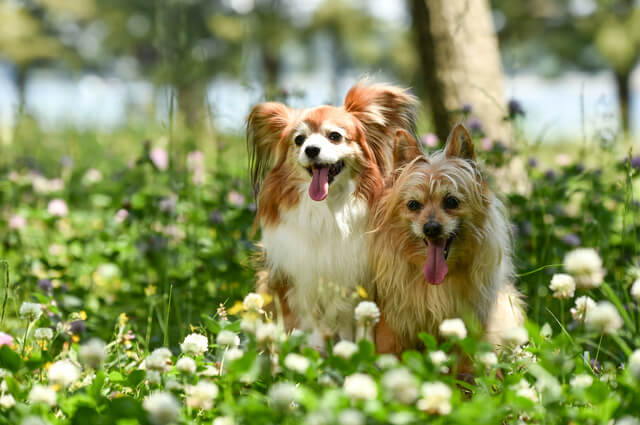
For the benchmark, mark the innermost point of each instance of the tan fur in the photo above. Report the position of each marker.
(478, 285)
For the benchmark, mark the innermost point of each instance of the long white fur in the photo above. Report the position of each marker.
(323, 245)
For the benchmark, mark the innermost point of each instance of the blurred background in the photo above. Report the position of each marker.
(102, 65)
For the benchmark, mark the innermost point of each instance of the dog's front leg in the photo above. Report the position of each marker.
(386, 340)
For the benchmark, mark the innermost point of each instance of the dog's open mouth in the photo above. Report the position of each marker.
(435, 267)
(321, 177)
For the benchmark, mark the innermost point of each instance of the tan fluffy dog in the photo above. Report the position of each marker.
(441, 246)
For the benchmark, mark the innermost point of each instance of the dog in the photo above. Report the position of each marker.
(441, 246)
(317, 173)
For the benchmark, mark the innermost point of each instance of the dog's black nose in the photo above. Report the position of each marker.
(432, 229)
(312, 151)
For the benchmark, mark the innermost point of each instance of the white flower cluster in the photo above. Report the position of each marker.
(634, 364)
(162, 408)
(562, 285)
(401, 385)
(604, 318)
(41, 394)
(93, 353)
(453, 328)
(30, 311)
(367, 313)
(345, 349)
(436, 398)
(583, 305)
(63, 373)
(186, 365)
(253, 303)
(523, 389)
(195, 344)
(635, 290)
(201, 395)
(43, 334)
(514, 337)
(283, 394)
(228, 339)
(360, 386)
(296, 362)
(158, 360)
(585, 265)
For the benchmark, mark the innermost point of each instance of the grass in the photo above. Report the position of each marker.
(147, 255)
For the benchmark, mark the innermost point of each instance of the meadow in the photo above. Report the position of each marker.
(125, 298)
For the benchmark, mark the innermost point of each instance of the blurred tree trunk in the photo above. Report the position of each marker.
(461, 62)
(192, 105)
(623, 86)
(21, 85)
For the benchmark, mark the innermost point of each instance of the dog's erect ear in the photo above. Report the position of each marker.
(266, 126)
(406, 148)
(459, 144)
(382, 108)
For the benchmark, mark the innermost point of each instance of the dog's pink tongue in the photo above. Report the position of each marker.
(319, 187)
(435, 268)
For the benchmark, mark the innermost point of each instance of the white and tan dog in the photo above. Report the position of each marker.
(318, 173)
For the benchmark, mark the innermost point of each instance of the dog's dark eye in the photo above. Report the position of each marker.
(451, 202)
(299, 140)
(414, 205)
(335, 136)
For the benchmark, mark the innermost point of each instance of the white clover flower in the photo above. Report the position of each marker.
(387, 361)
(201, 395)
(253, 303)
(228, 339)
(7, 401)
(195, 344)
(233, 353)
(57, 208)
(30, 311)
(581, 381)
(585, 265)
(224, 420)
(488, 358)
(438, 357)
(158, 360)
(345, 349)
(453, 328)
(283, 394)
(63, 373)
(523, 389)
(267, 333)
(604, 318)
(43, 334)
(583, 305)
(162, 408)
(92, 176)
(562, 285)
(186, 365)
(360, 386)
(367, 313)
(635, 290)
(546, 332)
(436, 398)
(250, 323)
(154, 377)
(634, 363)
(93, 353)
(296, 362)
(41, 394)
(401, 385)
(210, 370)
(514, 337)
(351, 417)
(628, 420)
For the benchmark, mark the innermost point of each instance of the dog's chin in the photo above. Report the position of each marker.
(322, 176)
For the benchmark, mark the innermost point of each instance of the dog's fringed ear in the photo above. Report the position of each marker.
(459, 144)
(382, 108)
(266, 126)
(406, 148)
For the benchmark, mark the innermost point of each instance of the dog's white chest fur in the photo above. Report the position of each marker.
(321, 247)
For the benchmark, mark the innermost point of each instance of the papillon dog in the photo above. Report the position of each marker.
(441, 246)
(317, 173)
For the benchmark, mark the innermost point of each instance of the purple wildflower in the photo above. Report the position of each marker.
(215, 217)
(45, 285)
(475, 125)
(571, 239)
(533, 163)
(550, 174)
(466, 108)
(635, 162)
(77, 326)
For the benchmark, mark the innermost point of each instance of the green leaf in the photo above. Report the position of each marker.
(9, 359)
(115, 376)
(429, 341)
(135, 378)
